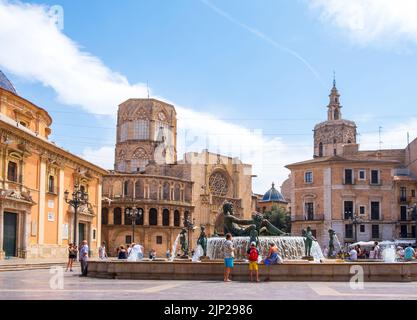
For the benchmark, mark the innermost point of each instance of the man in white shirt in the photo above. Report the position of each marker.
(84, 258)
(353, 255)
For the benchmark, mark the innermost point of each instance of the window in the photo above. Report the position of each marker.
(349, 231)
(375, 231)
(334, 152)
(374, 210)
(309, 210)
(124, 131)
(12, 171)
(104, 216)
(158, 239)
(374, 176)
(128, 239)
(141, 129)
(117, 216)
(320, 149)
(348, 209)
(126, 188)
(128, 218)
(413, 193)
(51, 184)
(362, 209)
(403, 213)
(153, 217)
(403, 194)
(362, 174)
(165, 217)
(362, 228)
(177, 218)
(94, 234)
(413, 231)
(403, 231)
(348, 176)
(308, 177)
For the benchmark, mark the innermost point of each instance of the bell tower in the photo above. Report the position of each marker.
(330, 136)
(146, 134)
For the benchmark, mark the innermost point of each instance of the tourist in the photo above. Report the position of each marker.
(400, 253)
(122, 255)
(409, 253)
(102, 254)
(72, 255)
(229, 255)
(168, 254)
(353, 254)
(152, 254)
(359, 251)
(325, 252)
(253, 255)
(84, 258)
(377, 251)
(273, 256)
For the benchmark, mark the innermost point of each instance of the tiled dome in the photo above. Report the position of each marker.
(6, 84)
(273, 195)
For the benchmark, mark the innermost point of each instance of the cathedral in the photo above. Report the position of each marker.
(164, 191)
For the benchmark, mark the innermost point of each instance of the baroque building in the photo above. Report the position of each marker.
(148, 176)
(362, 195)
(35, 220)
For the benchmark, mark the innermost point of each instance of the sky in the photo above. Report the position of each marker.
(249, 79)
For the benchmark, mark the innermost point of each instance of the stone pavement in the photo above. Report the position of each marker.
(42, 284)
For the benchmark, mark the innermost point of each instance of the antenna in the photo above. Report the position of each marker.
(147, 87)
(334, 78)
(380, 141)
(408, 147)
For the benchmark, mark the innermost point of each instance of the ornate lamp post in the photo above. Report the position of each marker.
(355, 220)
(79, 198)
(190, 226)
(413, 211)
(133, 213)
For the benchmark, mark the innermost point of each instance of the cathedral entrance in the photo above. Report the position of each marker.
(10, 234)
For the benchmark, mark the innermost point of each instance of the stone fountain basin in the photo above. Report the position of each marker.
(288, 271)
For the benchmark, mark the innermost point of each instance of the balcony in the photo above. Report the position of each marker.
(314, 217)
(404, 199)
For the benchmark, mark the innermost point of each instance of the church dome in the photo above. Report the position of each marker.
(273, 195)
(6, 84)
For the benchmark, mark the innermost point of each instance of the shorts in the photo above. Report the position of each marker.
(228, 262)
(253, 266)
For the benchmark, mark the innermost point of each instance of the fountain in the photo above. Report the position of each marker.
(174, 248)
(289, 248)
(389, 254)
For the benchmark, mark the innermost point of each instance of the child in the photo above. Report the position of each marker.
(253, 255)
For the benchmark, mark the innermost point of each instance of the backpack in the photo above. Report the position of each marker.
(253, 254)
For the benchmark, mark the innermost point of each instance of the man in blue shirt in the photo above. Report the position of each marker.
(84, 258)
(409, 253)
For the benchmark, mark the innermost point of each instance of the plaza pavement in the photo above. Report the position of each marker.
(36, 285)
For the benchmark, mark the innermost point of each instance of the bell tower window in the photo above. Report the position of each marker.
(320, 149)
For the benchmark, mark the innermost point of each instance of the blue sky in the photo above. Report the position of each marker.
(237, 60)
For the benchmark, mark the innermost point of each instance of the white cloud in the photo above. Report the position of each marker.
(35, 49)
(371, 21)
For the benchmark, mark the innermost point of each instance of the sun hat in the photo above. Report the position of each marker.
(253, 243)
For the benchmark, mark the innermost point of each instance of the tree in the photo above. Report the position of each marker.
(280, 218)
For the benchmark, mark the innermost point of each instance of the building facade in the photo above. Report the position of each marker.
(149, 177)
(362, 195)
(35, 220)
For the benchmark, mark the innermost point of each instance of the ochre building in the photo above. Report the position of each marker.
(35, 220)
(362, 195)
(147, 176)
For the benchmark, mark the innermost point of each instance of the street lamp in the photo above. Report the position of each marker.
(413, 211)
(355, 220)
(133, 213)
(79, 198)
(190, 226)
